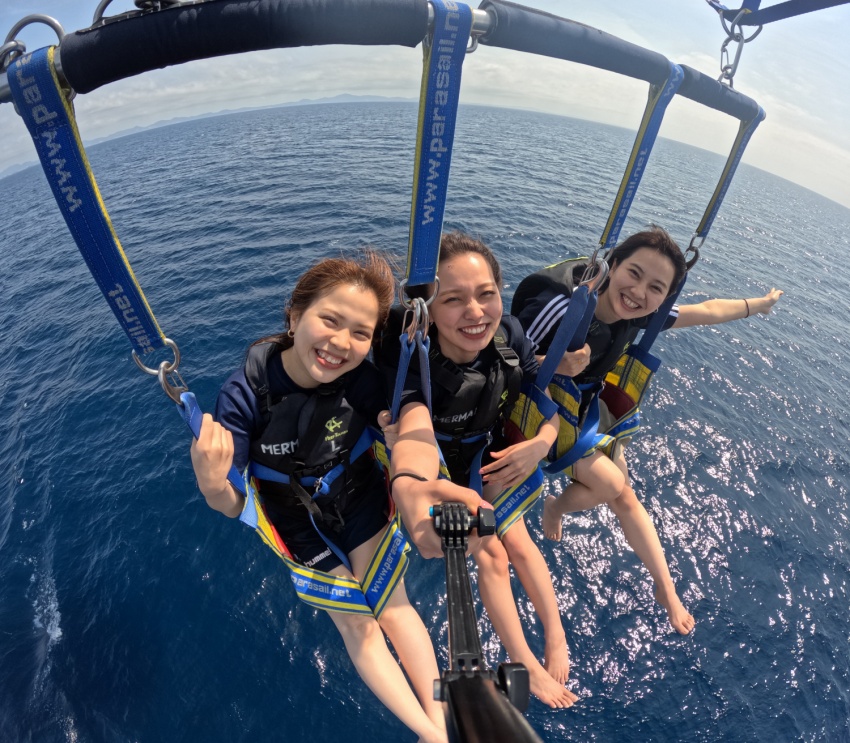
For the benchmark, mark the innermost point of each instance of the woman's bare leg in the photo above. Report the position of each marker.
(642, 537)
(367, 648)
(494, 584)
(598, 480)
(533, 573)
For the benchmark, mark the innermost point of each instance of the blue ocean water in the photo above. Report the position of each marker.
(129, 611)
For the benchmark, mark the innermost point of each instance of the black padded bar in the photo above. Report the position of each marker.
(528, 30)
(708, 91)
(123, 48)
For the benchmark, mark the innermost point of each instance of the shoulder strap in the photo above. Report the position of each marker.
(510, 361)
(509, 356)
(257, 374)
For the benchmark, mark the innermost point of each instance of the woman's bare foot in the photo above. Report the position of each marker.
(552, 526)
(678, 615)
(547, 690)
(557, 659)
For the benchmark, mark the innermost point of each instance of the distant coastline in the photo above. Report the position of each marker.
(343, 98)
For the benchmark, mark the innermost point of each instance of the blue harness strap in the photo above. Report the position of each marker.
(420, 345)
(746, 129)
(571, 333)
(49, 116)
(534, 406)
(584, 439)
(438, 101)
(475, 481)
(192, 416)
(660, 95)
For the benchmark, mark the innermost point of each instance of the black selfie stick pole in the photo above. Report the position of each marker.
(481, 706)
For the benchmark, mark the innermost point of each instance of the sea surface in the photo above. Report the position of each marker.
(129, 611)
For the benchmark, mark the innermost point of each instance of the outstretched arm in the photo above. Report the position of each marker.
(716, 311)
(212, 457)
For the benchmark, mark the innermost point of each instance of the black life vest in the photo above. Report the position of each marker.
(306, 436)
(472, 401)
(607, 342)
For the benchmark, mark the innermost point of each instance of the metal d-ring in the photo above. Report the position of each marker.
(169, 367)
(407, 303)
(13, 48)
(36, 18)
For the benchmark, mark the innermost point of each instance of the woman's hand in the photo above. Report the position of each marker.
(212, 458)
(389, 429)
(765, 304)
(574, 363)
(514, 464)
(415, 499)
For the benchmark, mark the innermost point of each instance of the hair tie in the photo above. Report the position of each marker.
(407, 474)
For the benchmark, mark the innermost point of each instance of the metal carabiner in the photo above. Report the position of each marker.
(170, 388)
(419, 319)
(694, 246)
(595, 274)
(727, 70)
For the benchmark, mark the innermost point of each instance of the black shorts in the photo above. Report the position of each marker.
(364, 517)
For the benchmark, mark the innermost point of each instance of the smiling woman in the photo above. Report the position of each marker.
(478, 359)
(296, 416)
(644, 270)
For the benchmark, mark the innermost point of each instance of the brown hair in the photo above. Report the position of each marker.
(655, 238)
(453, 244)
(370, 272)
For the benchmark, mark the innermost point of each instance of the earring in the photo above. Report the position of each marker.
(290, 333)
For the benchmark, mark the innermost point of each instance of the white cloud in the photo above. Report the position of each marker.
(800, 84)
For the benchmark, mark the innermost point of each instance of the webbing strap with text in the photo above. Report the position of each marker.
(49, 116)
(438, 102)
(745, 132)
(660, 96)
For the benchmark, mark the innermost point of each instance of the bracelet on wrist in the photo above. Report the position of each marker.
(407, 474)
(748, 308)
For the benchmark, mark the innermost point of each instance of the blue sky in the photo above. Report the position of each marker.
(798, 70)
